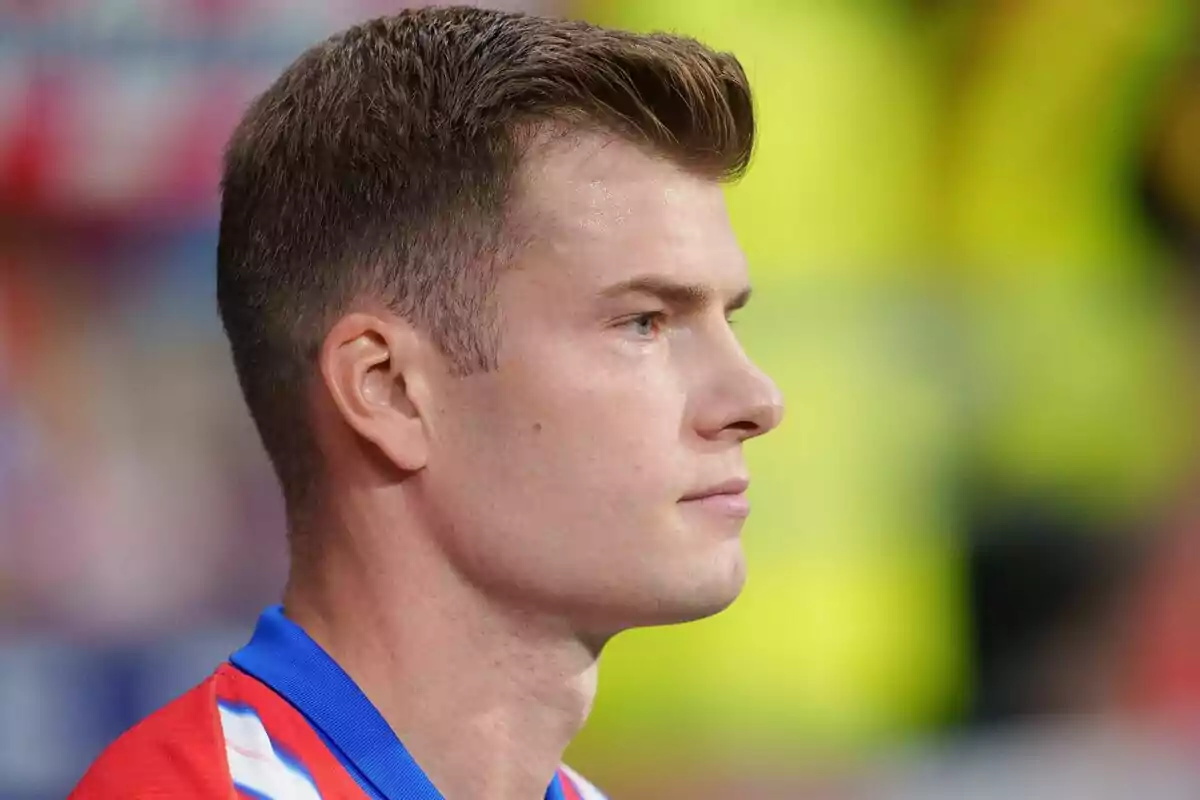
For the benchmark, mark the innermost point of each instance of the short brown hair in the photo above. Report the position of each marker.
(381, 164)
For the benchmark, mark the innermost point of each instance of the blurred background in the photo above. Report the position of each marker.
(974, 229)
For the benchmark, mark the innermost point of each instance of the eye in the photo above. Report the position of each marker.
(647, 325)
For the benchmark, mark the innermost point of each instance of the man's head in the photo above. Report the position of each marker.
(475, 268)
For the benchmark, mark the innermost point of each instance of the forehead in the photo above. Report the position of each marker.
(602, 210)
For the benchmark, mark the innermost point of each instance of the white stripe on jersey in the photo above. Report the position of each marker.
(253, 762)
(586, 790)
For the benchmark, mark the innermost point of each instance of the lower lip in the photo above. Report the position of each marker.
(731, 505)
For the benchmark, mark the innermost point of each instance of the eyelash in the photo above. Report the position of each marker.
(654, 317)
(659, 317)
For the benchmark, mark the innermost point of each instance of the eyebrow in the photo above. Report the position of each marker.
(684, 296)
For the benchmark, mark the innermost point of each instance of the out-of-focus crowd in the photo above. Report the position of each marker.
(140, 526)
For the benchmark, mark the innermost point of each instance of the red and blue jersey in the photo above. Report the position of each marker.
(281, 720)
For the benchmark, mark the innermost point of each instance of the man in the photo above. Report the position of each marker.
(476, 272)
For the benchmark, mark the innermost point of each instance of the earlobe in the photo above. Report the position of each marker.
(371, 367)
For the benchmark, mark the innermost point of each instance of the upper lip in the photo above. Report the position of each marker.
(731, 486)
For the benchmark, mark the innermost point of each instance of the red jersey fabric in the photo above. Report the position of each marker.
(280, 721)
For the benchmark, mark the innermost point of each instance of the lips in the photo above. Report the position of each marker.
(727, 498)
(733, 486)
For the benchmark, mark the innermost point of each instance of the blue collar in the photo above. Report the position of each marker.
(282, 656)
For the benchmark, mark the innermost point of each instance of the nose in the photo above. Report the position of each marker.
(749, 404)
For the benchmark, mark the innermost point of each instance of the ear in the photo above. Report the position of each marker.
(373, 366)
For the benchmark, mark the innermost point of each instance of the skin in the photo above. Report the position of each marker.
(482, 536)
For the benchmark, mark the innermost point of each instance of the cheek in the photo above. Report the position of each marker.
(566, 430)
(608, 438)
(570, 492)
(618, 393)
(592, 458)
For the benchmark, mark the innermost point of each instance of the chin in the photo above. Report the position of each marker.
(714, 602)
(691, 591)
(702, 593)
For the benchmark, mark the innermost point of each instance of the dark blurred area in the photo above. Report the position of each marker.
(974, 228)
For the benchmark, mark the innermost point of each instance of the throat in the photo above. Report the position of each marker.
(484, 699)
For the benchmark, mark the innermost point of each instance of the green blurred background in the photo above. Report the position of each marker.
(972, 230)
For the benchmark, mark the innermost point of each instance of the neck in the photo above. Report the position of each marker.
(485, 698)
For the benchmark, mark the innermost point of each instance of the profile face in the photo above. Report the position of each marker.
(598, 471)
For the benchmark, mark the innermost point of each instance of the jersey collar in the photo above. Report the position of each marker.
(282, 656)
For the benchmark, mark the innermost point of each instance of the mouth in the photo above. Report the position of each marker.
(727, 498)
